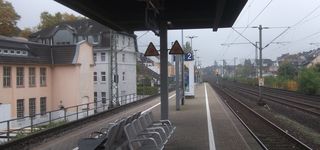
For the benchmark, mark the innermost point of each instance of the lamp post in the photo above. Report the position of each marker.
(191, 37)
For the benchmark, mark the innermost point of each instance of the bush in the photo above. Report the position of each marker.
(309, 81)
(147, 90)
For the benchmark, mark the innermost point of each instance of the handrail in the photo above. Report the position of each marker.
(71, 113)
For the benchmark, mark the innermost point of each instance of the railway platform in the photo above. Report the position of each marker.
(206, 123)
(203, 123)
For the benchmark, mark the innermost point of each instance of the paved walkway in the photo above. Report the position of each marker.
(202, 119)
(69, 140)
(195, 128)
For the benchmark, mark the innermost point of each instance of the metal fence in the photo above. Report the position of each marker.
(19, 127)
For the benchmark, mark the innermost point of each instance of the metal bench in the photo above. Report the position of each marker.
(142, 141)
(166, 124)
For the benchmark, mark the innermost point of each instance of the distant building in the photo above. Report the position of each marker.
(37, 78)
(103, 40)
(302, 59)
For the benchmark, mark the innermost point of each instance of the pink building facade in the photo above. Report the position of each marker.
(36, 78)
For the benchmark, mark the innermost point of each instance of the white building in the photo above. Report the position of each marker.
(103, 40)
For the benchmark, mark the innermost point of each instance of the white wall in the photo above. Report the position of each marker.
(5, 113)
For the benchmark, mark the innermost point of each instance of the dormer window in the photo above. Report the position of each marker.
(18, 52)
(95, 39)
(12, 52)
(5, 51)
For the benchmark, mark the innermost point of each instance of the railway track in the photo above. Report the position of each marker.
(266, 133)
(308, 106)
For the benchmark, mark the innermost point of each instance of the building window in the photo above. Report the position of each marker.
(95, 96)
(32, 107)
(103, 56)
(123, 40)
(103, 76)
(95, 39)
(129, 41)
(6, 76)
(95, 76)
(20, 108)
(103, 97)
(123, 76)
(95, 57)
(43, 76)
(32, 77)
(123, 57)
(43, 105)
(20, 76)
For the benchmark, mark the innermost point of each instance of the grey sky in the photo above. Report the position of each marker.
(279, 13)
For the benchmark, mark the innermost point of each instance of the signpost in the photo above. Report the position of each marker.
(189, 74)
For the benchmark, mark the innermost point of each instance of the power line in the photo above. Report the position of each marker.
(261, 12)
(301, 20)
(244, 37)
(143, 34)
(253, 20)
(225, 50)
(276, 37)
(306, 16)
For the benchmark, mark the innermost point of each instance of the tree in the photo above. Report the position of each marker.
(187, 47)
(26, 32)
(48, 20)
(287, 71)
(8, 19)
(309, 81)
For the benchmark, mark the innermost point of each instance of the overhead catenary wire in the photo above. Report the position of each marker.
(225, 49)
(303, 18)
(255, 18)
(277, 37)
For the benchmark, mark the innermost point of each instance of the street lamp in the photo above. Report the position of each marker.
(191, 37)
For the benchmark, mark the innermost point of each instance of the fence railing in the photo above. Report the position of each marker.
(19, 127)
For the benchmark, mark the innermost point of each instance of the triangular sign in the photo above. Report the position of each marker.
(151, 50)
(176, 49)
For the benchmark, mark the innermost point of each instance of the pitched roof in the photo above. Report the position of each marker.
(37, 53)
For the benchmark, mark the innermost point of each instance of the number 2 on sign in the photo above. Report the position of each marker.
(189, 56)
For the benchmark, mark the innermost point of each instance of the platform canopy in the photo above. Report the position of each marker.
(130, 15)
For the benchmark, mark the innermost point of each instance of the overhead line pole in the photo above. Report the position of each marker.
(260, 102)
(182, 70)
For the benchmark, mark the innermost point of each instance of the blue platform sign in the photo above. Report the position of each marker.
(188, 57)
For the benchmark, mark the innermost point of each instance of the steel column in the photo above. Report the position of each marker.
(182, 70)
(164, 69)
(177, 64)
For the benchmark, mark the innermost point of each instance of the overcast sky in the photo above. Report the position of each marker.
(302, 16)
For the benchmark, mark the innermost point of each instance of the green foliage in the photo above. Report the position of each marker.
(48, 20)
(147, 90)
(317, 67)
(276, 82)
(26, 32)
(245, 80)
(287, 71)
(23, 133)
(187, 47)
(8, 19)
(309, 81)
